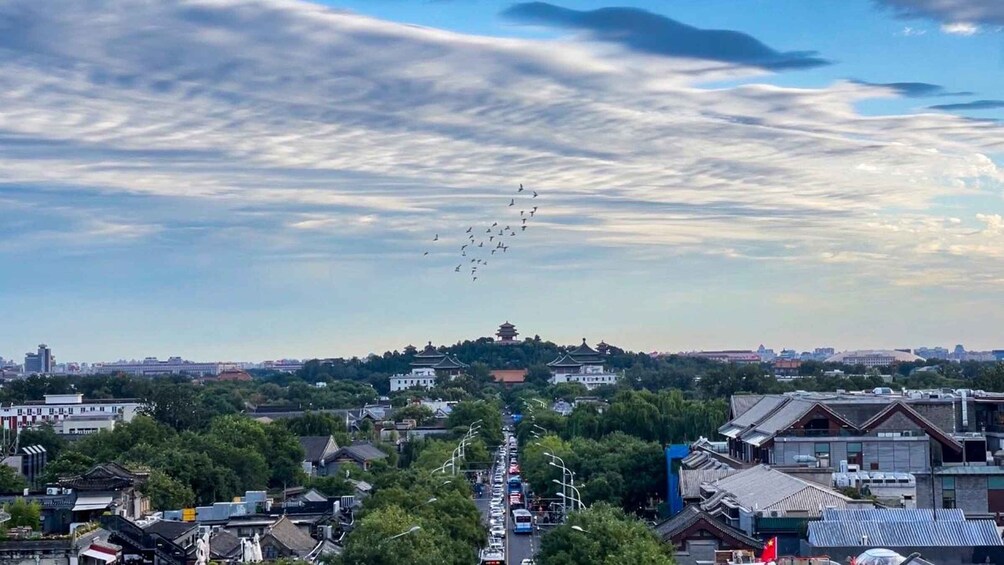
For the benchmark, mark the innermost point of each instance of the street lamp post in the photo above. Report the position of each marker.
(410, 530)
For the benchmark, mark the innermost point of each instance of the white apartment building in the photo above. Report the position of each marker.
(423, 377)
(58, 407)
(591, 376)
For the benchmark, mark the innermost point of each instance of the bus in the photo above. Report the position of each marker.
(522, 522)
(515, 485)
(492, 557)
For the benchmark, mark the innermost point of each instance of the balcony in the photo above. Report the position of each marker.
(819, 433)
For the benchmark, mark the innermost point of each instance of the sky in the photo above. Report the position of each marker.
(231, 179)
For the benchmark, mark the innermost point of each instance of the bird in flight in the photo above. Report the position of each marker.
(475, 278)
(535, 194)
(512, 201)
(520, 188)
(534, 208)
(531, 213)
(521, 212)
(464, 246)
(524, 228)
(426, 253)
(491, 239)
(524, 221)
(493, 251)
(457, 270)
(436, 238)
(494, 224)
(469, 229)
(482, 244)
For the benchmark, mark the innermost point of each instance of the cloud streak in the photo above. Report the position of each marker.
(279, 129)
(655, 34)
(974, 105)
(949, 11)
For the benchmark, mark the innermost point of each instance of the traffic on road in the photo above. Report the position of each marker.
(511, 528)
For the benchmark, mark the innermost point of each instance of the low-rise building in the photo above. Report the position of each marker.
(582, 365)
(868, 431)
(58, 407)
(765, 501)
(950, 539)
(318, 450)
(360, 454)
(976, 490)
(696, 536)
(418, 378)
(173, 366)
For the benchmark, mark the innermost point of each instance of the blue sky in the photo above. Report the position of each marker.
(252, 180)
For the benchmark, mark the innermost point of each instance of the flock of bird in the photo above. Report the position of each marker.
(478, 246)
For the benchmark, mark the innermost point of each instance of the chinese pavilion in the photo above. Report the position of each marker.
(507, 334)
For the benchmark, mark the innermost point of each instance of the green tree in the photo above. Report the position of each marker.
(421, 414)
(10, 480)
(45, 436)
(390, 536)
(176, 405)
(69, 463)
(609, 537)
(285, 455)
(316, 424)
(167, 493)
(24, 514)
(487, 414)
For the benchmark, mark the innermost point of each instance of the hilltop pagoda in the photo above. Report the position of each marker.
(507, 334)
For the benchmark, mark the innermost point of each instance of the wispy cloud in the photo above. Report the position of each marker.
(960, 28)
(974, 105)
(655, 34)
(282, 129)
(910, 31)
(915, 89)
(949, 11)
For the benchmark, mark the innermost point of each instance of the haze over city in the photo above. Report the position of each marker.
(262, 180)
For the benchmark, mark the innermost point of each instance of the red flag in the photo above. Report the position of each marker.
(769, 551)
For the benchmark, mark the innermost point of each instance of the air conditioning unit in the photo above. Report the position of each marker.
(853, 467)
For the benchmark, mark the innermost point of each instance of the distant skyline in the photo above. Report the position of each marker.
(251, 180)
(419, 344)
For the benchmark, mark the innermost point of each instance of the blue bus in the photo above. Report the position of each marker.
(515, 485)
(522, 522)
(517, 418)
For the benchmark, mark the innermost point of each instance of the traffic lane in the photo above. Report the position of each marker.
(521, 546)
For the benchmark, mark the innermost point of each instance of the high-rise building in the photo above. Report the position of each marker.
(41, 362)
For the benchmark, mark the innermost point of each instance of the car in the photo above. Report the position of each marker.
(498, 530)
(527, 562)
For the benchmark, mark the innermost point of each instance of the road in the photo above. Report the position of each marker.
(519, 546)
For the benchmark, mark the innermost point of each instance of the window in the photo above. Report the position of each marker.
(948, 492)
(822, 453)
(854, 453)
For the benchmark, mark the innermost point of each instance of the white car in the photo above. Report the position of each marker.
(498, 530)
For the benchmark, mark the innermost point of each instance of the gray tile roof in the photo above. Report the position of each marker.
(691, 515)
(691, 479)
(943, 533)
(316, 448)
(295, 539)
(966, 470)
(786, 415)
(224, 544)
(170, 529)
(740, 403)
(892, 514)
(362, 452)
(764, 488)
(754, 414)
